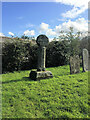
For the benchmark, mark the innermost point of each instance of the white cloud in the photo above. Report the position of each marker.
(43, 27)
(50, 32)
(2, 35)
(79, 25)
(28, 33)
(79, 6)
(76, 3)
(58, 28)
(74, 12)
(10, 33)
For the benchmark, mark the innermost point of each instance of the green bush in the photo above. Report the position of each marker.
(57, 53)
(15, 55)
(21, 55)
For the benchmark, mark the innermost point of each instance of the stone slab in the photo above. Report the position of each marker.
(74, 64)
(37, 75)
(85, 60)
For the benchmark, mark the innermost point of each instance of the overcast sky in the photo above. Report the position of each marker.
(34, 18)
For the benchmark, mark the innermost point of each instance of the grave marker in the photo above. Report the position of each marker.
(74, 64)
(85, 60)
(40, 73)
(42, 42)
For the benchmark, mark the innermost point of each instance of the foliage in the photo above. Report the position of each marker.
(15, 54)
(63, 96)
(33, 56)
(73, 41)
(85, 43)
(19, 54)
(24, 37)
(57, 53)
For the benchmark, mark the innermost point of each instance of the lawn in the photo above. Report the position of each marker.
(63, 96)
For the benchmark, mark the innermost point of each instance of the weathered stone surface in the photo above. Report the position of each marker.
(37, 75)
(86, 61)
(41, 58)
(74, 64)
(42, 41)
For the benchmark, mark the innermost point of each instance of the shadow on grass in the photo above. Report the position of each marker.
(22, 79)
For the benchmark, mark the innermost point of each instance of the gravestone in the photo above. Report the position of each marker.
(74, 64)
(42, 42)
(40, 73)
(85, 60)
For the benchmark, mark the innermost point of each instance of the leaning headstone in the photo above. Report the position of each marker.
(85, 60)
(74, 64)
(40, 73)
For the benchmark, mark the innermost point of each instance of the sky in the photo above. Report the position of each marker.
(49, 18)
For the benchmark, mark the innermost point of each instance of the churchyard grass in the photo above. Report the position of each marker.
(63, 96)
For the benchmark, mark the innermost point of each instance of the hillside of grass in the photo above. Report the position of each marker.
(63, 96)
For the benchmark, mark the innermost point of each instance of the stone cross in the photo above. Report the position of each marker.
(74, 64)
(40, 73)
(42, 42)
(85, 60)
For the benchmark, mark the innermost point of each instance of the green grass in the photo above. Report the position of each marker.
(63, 96)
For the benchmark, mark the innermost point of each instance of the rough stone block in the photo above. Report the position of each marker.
(37, 75)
